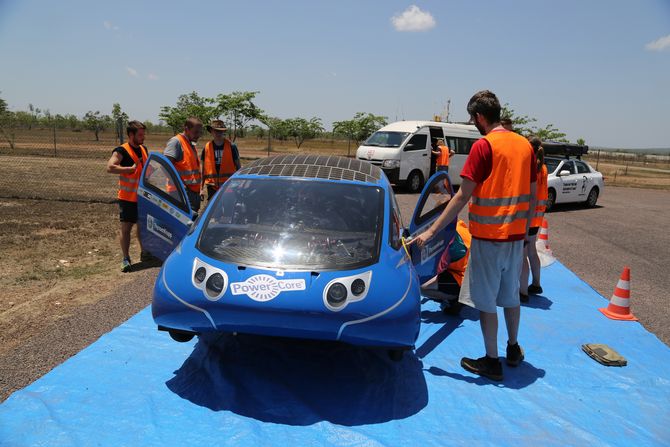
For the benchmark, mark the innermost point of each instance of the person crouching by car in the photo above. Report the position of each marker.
(127, 162)
(446, 285)
(220, 158)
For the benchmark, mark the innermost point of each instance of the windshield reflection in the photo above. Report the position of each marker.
(294, 224)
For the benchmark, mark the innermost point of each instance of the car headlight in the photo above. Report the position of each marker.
(200, 274)
(342, 291)
(337, 294)
(391, 164)
(215, 284)
(358, 287)
(210, 280)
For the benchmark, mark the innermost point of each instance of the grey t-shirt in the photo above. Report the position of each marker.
(173, 149)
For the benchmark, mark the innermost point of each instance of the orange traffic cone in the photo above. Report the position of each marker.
(544, 233)
(619, 306)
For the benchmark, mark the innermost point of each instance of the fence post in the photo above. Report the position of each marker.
(597, 159)
(55, 148)
(119, 130)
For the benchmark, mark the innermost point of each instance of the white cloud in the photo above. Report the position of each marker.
(132, 72)
(413, 19)
(109, 25)
(152, 77)
(659, 44)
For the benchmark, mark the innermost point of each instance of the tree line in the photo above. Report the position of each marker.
(240, 112)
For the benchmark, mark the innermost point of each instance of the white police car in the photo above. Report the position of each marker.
(572, 180)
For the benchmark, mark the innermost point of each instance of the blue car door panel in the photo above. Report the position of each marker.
(433, 200)
(164, 212)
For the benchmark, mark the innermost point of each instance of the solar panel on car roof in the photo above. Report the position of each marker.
(330, 167)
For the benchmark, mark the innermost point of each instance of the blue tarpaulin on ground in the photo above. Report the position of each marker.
(135, 386)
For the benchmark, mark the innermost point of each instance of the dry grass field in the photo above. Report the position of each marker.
(59, 220)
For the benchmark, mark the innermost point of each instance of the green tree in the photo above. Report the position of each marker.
(523, 125)
(359, 128)
(7, 123)
(34, 115)
(301, 129)
(550, 133)
(189, 105)
(96, 122)
(120, 119)
(23, 119)
(239, 109)
(581, 141)
(118, 114)
(520, 123)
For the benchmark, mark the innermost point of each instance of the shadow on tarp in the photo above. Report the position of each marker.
(449, 324)
(300, 382)
(524, 375)
(538, 302)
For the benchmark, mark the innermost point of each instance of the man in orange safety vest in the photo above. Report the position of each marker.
(127, 162)
(220, 158)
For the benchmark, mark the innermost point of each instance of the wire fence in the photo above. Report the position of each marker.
(70, 165)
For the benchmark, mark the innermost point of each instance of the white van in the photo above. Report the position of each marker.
(403, 150)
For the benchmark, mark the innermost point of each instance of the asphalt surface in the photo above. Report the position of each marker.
(629, 227)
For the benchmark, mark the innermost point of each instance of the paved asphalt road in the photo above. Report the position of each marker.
(630, 227)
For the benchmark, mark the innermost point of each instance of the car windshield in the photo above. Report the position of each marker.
(294, 224)
(386, 139)
(552, 164)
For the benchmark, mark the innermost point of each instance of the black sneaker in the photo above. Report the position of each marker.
(485, 366)
(523, 298)
(534, 290)
(514, 354)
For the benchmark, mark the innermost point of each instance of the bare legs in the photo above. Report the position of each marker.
(126, 229)
(534, 260)
(489, 324)
(529, 256)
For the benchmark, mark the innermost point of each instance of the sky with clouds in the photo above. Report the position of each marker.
(598, 70)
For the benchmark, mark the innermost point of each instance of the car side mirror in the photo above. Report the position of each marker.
(563, 173)
(410, 147)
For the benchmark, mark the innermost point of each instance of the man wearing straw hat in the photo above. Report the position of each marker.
(220, 158)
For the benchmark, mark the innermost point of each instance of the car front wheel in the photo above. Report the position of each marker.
(181, 337)
(551, 199)
(592, 198)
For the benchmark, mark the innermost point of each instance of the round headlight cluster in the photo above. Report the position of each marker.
(337, 294)
(214, 285)
(358, 287)
(200, 274)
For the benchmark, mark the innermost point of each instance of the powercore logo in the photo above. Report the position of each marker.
(265, 287)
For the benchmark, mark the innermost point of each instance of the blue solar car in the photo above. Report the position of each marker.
(298, 246)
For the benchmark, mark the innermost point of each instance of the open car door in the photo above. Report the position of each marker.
(164, 212)
(433, 200)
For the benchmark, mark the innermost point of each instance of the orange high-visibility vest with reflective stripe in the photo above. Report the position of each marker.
(128, 182)
(443, 158)
(542, 195)
(189, 166)
(227, 168)
(500, 205)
